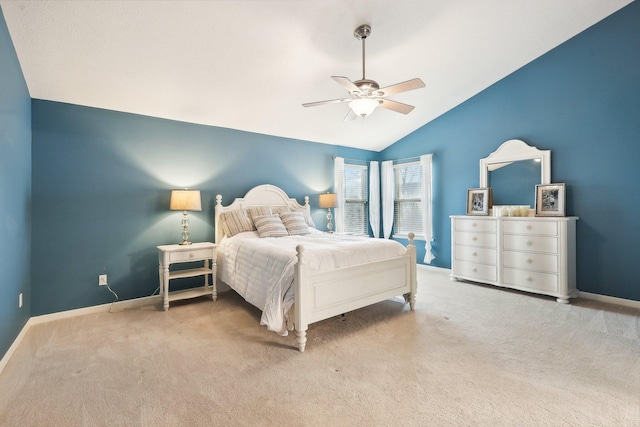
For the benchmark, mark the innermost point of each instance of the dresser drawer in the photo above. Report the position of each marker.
(545, 282)
(488, 226)
(547, 228)
(475, 239)
(514, 242)
(475, 255)
(530, 261)
(480, 272)
(190, 255)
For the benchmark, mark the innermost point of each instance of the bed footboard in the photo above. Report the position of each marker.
(320, 295)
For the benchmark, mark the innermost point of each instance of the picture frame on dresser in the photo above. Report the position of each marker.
(478, 201)
(551, 199)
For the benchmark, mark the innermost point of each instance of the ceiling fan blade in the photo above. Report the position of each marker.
(346, 83)
(402, 87)
(351, 115)
(398, 107)
(331, 101)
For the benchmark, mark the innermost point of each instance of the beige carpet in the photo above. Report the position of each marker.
(470, 355)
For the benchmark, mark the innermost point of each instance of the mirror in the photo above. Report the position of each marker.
(513, 171)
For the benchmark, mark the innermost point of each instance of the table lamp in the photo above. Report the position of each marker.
(185, 200)
(328, 201)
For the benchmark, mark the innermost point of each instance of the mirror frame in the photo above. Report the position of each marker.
(514, 150)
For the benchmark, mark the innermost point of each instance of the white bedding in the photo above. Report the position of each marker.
(261, 269)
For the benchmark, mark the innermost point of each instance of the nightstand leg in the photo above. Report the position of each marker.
(165, 288)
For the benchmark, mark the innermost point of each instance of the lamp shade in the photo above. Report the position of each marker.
(185, 200)
(364, 106)
(327, 201)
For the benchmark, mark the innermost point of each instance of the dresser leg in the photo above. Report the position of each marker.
(563, 300)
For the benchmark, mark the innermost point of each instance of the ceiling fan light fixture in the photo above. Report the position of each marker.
(364, 106)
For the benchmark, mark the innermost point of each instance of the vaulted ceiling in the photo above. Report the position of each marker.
(251, 64)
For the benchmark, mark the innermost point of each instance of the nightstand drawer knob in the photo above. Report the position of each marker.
(191, 255)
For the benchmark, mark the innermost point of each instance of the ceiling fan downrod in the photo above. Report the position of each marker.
(366, 86)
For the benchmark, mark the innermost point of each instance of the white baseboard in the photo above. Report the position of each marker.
(611, 300)
(103, 308)
(14, 346)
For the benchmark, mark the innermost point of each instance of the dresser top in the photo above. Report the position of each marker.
(515, 218)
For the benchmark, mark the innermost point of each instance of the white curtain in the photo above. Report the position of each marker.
(338, 174)
(387, 197)
(426, 196)
(374, 198)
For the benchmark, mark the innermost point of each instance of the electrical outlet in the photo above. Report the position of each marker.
(102, 280)
(20, 300)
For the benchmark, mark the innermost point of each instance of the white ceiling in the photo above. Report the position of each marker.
(250, 64)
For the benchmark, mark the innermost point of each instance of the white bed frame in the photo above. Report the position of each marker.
(320, 295)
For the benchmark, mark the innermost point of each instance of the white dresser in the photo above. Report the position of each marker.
(533, 254)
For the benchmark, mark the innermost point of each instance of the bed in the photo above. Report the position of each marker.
(299, 279)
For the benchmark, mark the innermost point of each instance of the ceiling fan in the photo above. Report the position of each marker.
(366, 94)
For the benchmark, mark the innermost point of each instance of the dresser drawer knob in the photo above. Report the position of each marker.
(474, 238)
(475, 254)
(529, 261)
(529, 279)
(529, 243)
(529, 227)
(473, 224)
(475, 270)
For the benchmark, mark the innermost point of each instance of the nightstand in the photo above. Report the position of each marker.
(176, 254)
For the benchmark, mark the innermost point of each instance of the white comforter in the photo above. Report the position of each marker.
(261, 269)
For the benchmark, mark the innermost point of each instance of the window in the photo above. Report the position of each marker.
(407, 203)
(355, 190)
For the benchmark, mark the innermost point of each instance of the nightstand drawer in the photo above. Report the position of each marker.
(192, 255)
(529, 261)
(531, 243)
(531, 227)
(475, 255)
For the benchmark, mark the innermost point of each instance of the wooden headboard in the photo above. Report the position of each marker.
(261, 195)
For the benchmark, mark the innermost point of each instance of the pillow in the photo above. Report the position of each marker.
(270, 226)
(234, 222)
(294, 223)
(307, 217)
(256, 211)
(276, 210)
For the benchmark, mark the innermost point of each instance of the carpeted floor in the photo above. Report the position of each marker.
(469, 355)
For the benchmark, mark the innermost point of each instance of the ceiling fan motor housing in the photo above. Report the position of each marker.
(366, 86)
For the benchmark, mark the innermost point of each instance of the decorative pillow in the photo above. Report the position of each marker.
(277, 210)
(270, 226)
(256, 211)
(234, 222)
(294, 223)
(307, 217)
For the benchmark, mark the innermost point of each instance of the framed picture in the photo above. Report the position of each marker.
(478, 201)
(551, 199)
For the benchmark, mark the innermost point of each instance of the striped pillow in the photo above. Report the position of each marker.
(294, 223)
(234, 222)
(307, 217)
(270, 226)
(256, 211)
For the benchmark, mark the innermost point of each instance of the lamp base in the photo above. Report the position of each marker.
(185, 243)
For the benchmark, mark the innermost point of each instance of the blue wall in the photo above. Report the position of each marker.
(101, 185)
(15, 193)
(582, 102)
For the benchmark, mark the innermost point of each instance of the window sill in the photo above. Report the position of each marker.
(406, 236)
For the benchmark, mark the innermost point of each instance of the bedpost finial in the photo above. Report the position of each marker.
(306, 200)
(411, 237)
(219, 199)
